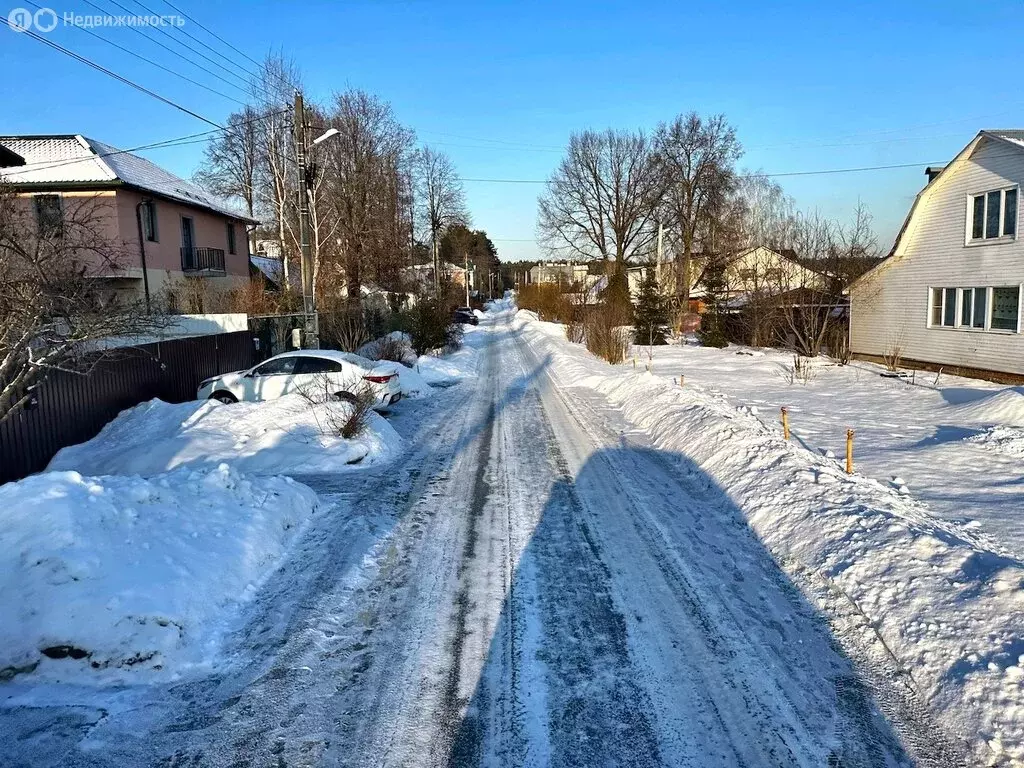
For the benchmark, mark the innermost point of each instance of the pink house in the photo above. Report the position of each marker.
(168, 228)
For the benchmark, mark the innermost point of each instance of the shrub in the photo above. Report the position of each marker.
(347, 420)
(605, 335)
(547, 300)
(429, 325)
(393, 348)
(575, 331)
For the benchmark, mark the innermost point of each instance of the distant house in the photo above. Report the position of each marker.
(169, 228)
(423, 274)
(949, 293)
(563, 273)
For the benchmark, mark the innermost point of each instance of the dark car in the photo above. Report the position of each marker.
(465, 316)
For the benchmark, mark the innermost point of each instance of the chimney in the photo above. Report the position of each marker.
(932, 171)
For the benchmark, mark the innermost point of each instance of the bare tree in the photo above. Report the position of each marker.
(231, 163)
(273, 92)
(599, 203)
(365, 167)
(54, 306)
(697, 158)
(832, 255)
(440, 198)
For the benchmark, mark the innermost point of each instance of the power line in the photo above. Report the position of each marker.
(104, 70)
(172, 52)
(742, 175)
(167, 34)
(192, 37)
(148, 61)
(193, 138)
(212, 33)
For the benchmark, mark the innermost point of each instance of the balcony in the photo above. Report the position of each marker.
(208, 261)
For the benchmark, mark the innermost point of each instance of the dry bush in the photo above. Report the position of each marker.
(253, 298)
(347, 422)
(893, 354)
(345, 330)
(605, 335)
(548, 301)
(575, 331)
(803, 370)
(839, 344)
(393, 348)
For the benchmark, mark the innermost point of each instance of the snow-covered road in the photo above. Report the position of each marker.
(531, 583)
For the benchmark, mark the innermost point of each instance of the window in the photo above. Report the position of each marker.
(979, 308)
(993, 214)
(231, 237)
(313, 365)
(1005, 303)
(276, 366)
(49, 215)
(972, 307)
(149, 230)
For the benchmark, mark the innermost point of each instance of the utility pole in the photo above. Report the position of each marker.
(308, 299)
(657, 267)
(465, 276)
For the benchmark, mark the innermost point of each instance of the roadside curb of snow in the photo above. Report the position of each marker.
(941, 604)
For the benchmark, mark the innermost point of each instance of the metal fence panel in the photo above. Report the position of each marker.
(72, 408)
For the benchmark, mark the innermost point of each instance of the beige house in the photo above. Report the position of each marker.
(949, 294)
(169, 228)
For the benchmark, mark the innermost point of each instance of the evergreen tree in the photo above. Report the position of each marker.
(712, 331)
(651, 315)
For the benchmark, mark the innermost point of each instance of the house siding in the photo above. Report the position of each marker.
(890, 306)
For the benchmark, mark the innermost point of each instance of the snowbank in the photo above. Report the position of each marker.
(950, 609)
(282, 436)
(449, 369)
(371, 349)
(105, 576)
(1005, 440)
(1002, 407)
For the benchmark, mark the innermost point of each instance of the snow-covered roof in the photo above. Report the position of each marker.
(1014, 135)
(58, 160)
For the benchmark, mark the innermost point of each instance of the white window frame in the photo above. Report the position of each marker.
(969, 239)
(958, 315)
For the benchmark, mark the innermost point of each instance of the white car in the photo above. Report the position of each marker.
(319, 372)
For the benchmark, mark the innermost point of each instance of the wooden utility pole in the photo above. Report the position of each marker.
(308, 299)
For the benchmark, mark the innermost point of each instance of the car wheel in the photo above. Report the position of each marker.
(225, 397)
(345, 397)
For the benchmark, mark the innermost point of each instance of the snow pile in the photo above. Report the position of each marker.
(283, 436)
(449, 369)
(105, 576)
(1005, 440)
(372, 349)
(949, 607)
(412, 384)
(1003, 407)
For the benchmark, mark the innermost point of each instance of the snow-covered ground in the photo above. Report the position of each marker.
(128, 558)
(941, 593)
(283, 436)
(937, 440)
(106, 578)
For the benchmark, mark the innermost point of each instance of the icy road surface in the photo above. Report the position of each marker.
(528, 585)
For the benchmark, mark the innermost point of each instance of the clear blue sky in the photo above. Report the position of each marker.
(500, 86)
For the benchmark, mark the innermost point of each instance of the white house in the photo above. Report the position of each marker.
(949, 294)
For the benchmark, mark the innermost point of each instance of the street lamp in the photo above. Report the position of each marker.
(308, 296)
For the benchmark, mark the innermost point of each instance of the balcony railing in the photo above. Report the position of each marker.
(202, 260)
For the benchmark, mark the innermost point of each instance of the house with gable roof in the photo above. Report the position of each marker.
(949, 294)
(169, 228)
